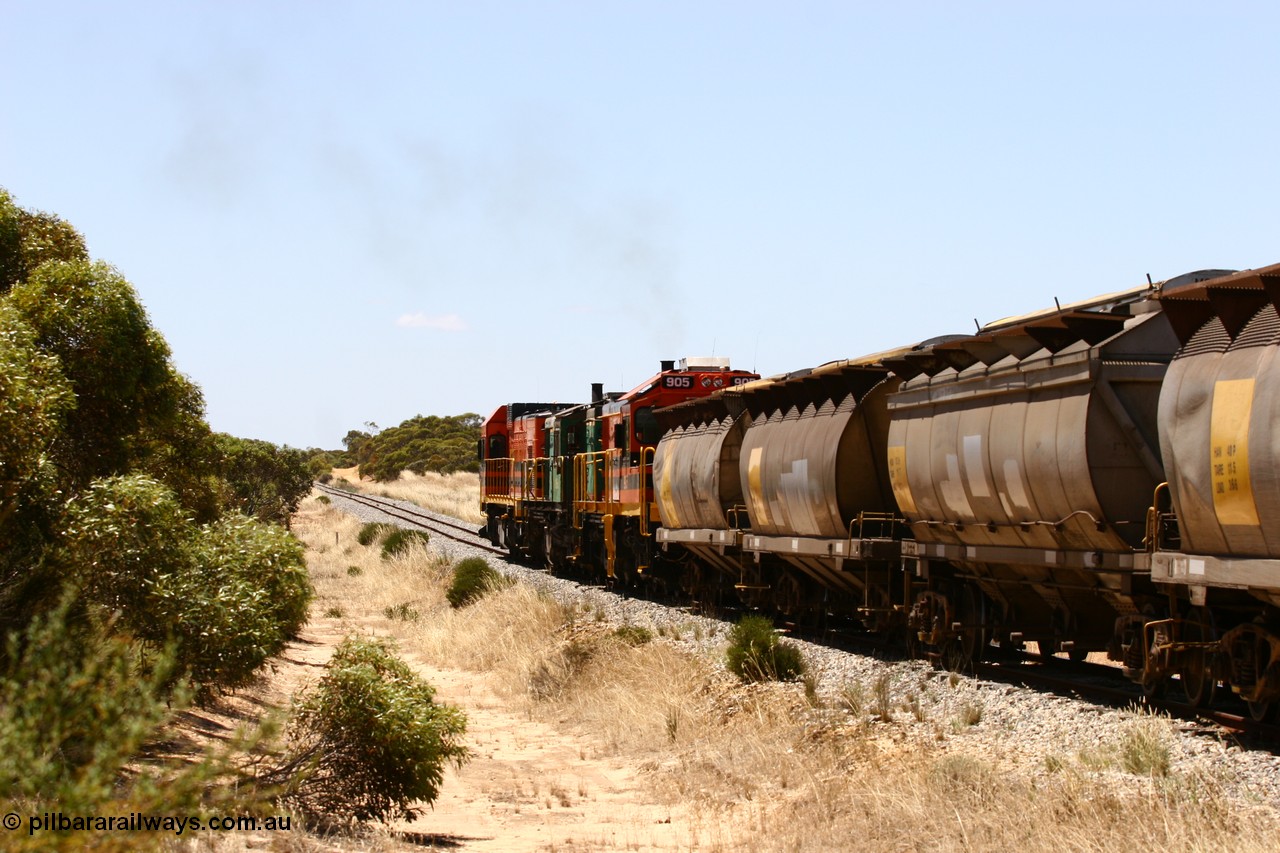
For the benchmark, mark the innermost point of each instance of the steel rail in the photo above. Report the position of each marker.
(419, 519)
(1082, 680)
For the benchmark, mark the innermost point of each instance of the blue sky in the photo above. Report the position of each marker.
(341, 212)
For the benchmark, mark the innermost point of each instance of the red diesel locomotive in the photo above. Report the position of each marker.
(572, 484)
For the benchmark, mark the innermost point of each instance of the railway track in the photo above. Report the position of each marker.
(1095, 683)
(1102, 685)
(431, 522)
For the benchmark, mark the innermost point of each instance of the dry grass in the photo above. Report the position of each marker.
(457, 495)
(371, 840)
(759, 767)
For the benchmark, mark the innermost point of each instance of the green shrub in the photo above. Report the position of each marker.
(247, 597)
(121, 535)
(77, 707)
(372, 737)
(634, 635)
(323, 499)
(74, 706)
(402, 612)
(374, 531)
(399, 540)
(756, 654)
(472, 578)
(227, 595)
(267, 556)
(354, 571)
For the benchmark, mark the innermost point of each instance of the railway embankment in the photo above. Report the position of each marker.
(878, 750)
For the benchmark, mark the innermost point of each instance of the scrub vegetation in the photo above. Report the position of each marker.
(372, 739)
(756, 654)
(143, 561)
(473, 578)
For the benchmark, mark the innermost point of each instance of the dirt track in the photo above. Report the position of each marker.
(528, 785)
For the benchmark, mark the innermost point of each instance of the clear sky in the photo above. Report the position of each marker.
(349, 212)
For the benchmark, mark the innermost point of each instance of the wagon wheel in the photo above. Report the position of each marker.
(930, 616)
(1153, 690)
(788, 595)
(1198, 672)
(976, 616)
(1260, 711)
(911, 642)
(961, 653)
(956, 654)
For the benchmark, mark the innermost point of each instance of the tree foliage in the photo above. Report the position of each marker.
(34, 396)
(357, 446)
(226, 596)
(11, 264)
(264, 481)
(29, 239)
(127, 570)
(420, 444)
(133, 410)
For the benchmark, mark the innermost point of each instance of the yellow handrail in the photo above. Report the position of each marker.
(644, 489)
(1151, 535)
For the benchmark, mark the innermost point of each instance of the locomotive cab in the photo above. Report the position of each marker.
(615, 500)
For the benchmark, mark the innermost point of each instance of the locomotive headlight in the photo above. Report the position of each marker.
(718, 383)
(706, 382)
